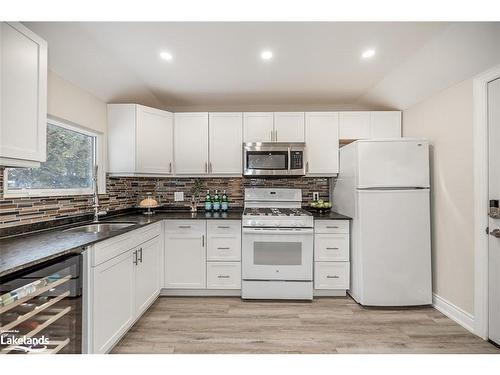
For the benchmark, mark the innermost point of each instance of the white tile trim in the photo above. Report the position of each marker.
(453, 312)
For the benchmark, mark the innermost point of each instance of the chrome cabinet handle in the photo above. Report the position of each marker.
(495, 233)
(140, 255)
(135, 258)
(170, 167)
(307, 167)
(206, 167)
(184, 226)
(202, 240)
(223, 276)
(210, 167)
(332, 277)
(223, 248)
(332, 227)
(223, 226)
(332, 248)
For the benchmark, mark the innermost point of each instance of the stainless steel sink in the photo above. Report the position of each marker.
(100, 227)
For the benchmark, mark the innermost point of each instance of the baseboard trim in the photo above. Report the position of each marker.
(201, 292)
(453, 312)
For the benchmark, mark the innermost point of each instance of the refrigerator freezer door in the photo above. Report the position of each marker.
(393, 163)
(394, 247)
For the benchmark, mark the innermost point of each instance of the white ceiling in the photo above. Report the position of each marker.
(218, 64)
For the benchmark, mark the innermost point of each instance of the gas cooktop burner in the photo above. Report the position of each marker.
(276, 212)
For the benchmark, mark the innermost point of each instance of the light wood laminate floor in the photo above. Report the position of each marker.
(327, 325)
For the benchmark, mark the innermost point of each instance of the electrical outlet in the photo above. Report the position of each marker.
(315, 196)
(179, 196)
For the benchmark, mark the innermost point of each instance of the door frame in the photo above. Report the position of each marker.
(481, 160)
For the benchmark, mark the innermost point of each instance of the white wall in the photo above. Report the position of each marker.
(69, 102)
(446, 120)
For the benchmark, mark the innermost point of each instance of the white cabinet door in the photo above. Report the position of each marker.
(226, 138)
(147, 274)
(223, 275)
(385, 124)
(322, 143)
(154, 140)
(258, 127)
(289, 126)
(112, 302)
(185, 254)
(354, 125)
(191, 143)
(23, 96)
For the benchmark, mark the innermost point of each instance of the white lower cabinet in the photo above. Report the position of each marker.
(223, 275)
(112, 301)
(331, 255)
(122, 284)
(185, 254)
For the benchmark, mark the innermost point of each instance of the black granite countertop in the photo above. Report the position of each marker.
(29, 249)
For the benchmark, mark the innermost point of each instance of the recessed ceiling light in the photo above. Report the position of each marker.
(368, 53)
(167, 56)
(266, 55)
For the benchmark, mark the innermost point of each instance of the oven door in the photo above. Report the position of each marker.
(277, 254)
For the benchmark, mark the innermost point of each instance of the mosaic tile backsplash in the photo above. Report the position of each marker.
(123, 193)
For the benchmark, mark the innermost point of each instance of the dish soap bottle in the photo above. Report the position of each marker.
(224, 205)
(208, 201)
(216, 201)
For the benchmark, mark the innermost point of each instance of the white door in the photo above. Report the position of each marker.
(155, 140)
(112, 301)
(185, 255)
(289, 126)
(385, 124)
(258, 127)
(191, 143)
(393, 248)
(226, 143)
(322, 143)
(147, 274)
(23, 94)
(354, 125)
(494, 223)
(398, 163)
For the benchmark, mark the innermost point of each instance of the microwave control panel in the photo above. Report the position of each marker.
(296, 158)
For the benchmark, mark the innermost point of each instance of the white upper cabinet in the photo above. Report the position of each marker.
(375, 124)
(322, 143)
(225, 143)
(289, 126)
(191, 143)
(258, 127)
(140, 140)
(385, 124)
(23, 96)
(354, 125)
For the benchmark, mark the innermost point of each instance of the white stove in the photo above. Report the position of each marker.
(277, 251)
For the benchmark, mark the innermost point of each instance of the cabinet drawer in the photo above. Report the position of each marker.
(331, 247)
(223, 275)
(224, 248)
(184, 226)
(331, 226)
(331, 275)
(225, 227)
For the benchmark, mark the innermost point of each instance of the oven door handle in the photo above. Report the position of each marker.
(291, 231)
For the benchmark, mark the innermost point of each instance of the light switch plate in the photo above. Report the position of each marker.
(315, 196)
(179, 196)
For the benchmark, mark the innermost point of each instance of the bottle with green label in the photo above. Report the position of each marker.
(224, 204)
(216, 201)
(208, 201)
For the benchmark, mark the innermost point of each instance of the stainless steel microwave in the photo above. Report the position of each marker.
(274, 159)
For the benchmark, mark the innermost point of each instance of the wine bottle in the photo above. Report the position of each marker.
(224, 205)
(208, 201)
(216, 201)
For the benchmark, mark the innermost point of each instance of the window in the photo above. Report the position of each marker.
(71, 157)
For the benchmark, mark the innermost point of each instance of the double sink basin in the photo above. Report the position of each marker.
(101, 227)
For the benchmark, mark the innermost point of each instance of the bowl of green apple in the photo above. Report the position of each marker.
(320, 205)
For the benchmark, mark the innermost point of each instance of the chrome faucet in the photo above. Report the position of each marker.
(96, 205)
